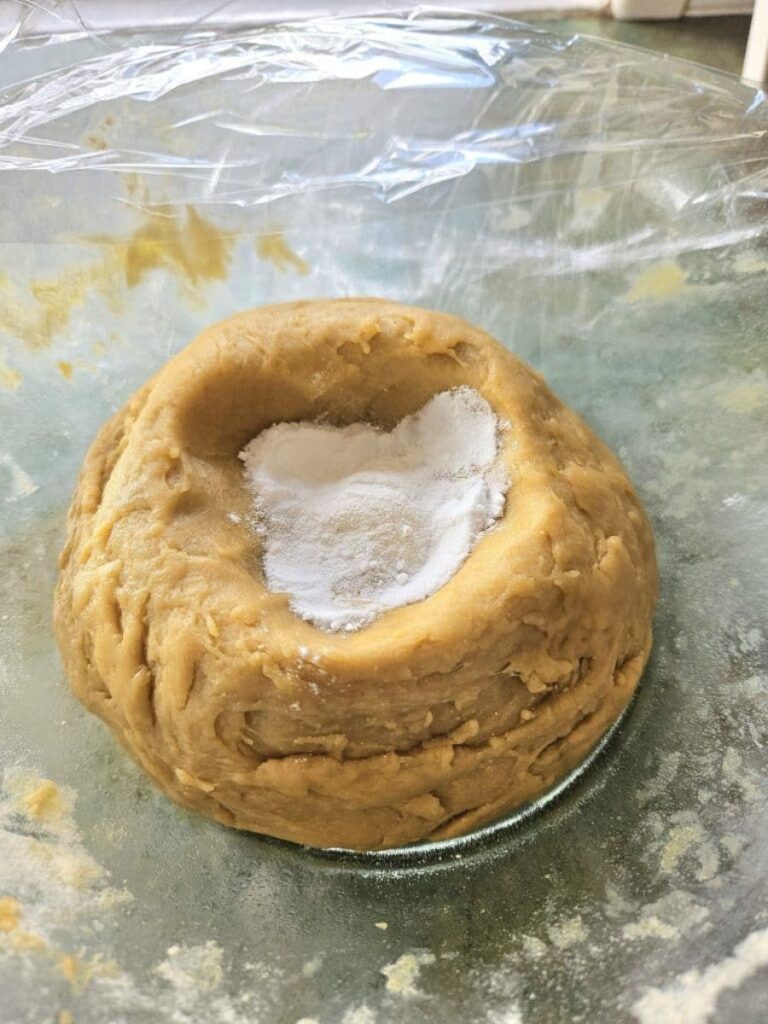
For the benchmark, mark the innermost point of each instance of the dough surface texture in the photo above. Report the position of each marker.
(437, 717)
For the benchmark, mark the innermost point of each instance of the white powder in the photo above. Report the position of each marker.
(693, 996)
(356, 520)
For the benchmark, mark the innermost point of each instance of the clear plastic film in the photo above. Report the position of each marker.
(480, 166)
(600, 209)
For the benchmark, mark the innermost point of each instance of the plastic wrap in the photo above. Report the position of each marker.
(149, 185)
(604, 212)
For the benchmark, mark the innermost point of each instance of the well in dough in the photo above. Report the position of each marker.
(437, 717)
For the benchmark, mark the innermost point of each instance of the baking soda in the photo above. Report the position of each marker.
(357, 521)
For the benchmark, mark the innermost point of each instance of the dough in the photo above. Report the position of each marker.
(437, 717)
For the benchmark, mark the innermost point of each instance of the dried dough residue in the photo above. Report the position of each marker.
(46, 802)
(402, 974)
(274, 248)
(193, 248)
(9, 378)
(183, 243)
(38, 311)
(747, 394)
(80, 972)
(10, 914)
(664, 281)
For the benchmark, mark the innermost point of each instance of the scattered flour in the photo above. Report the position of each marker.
(21, 483)
(533, 947)
(510, 1015)
(668, 918)
(312, 966)
(735, 774)
(46, 874)
(687, 835)
(50, 886)
(402, 974)
(651, 789)
(569, 932)
(693, 996)
(650, 927)
(359, 1015)
(193, 966)
(357, 521)
(733, 843)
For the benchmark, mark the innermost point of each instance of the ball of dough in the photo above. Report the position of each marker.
(437, 717)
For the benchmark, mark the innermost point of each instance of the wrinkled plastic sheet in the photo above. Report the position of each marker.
(604, 212)
(480, 166)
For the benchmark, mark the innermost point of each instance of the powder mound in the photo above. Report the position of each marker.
(357, 521)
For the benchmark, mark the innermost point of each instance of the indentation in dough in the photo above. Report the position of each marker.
(196, 682)
(174, 475)
(118, 616)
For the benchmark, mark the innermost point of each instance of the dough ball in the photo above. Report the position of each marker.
(437, 717)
